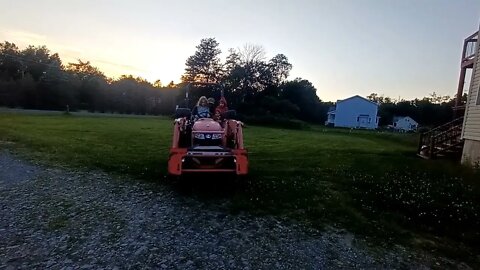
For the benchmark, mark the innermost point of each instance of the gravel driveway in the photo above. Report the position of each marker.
(62, 219)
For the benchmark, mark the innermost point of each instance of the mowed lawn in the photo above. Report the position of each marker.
(367, 182)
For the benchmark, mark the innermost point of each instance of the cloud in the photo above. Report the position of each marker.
(23, 38)
(67, 53)
(108, 61)
(121, 66)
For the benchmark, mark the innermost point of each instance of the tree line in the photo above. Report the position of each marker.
(430, 111)
(35, 78)
(254, 85)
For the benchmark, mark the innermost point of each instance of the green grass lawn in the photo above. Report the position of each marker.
(368, 182)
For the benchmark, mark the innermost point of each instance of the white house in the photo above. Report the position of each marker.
(353, 112)
(404, 123)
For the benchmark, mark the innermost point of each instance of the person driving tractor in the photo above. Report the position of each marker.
(201, 110)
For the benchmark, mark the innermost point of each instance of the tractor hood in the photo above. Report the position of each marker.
(206, 124)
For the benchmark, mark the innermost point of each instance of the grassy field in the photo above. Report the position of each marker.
(370, 183)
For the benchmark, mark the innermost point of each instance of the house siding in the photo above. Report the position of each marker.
(471, 153)
(348, 111)
(471, 124)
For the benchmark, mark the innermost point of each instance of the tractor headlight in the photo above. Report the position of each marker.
(199, 136)
(208, 136)
(216, 136)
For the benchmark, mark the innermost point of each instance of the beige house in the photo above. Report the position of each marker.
(471, 121)
(461, 136)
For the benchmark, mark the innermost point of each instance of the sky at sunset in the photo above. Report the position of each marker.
(404, 49)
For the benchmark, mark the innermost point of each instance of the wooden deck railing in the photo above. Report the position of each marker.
(440, 138)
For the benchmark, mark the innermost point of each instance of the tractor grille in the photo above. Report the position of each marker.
(209, 162)
(206, 142)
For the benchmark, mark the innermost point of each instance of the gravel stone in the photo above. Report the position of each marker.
(60, 218)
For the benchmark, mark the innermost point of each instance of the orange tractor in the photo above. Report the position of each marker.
(207, 145)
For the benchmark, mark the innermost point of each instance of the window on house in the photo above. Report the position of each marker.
(478, 96)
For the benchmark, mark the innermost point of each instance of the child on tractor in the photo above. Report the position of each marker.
(221, 108)
(201, 110)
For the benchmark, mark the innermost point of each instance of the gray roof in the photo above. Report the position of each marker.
(396, 118)
(342, 100)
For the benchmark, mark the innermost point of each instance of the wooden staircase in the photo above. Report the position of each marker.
(442, 141)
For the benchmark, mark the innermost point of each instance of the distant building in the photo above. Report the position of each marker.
(330, 116)
(353, 112)
(404, 123)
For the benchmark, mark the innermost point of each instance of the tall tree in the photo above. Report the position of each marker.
(252, 53)
(157, 84)
(380, 99)
(233, 71)
(84, 70)
(38, 62)
(171, 84)
(10, 60)
(247, 73)
(254, 72)
(90, 85)
(279, 68)
(204, 66)
(302, 93)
